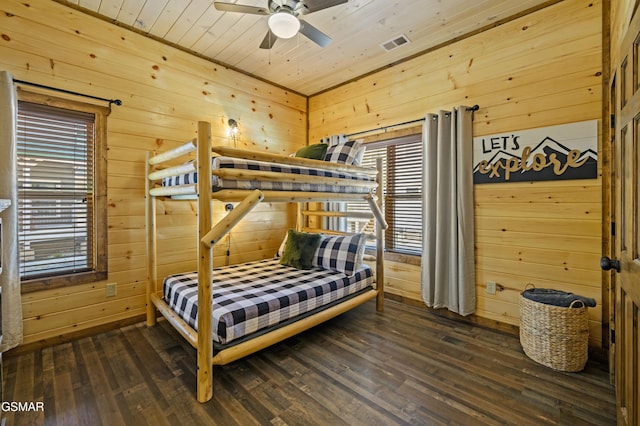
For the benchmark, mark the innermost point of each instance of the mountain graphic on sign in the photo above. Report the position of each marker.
(589, 153)
(545, 148)
(549, 145)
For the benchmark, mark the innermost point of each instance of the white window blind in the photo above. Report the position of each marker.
(402, 193)
(55, 190)
(403, 201)
(369, 160)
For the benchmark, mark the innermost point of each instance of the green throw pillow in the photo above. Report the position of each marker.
(315, 152)
(300, 249)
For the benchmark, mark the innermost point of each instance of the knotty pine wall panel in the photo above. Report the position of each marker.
(165, 92)
(622, 11)
(539, 70)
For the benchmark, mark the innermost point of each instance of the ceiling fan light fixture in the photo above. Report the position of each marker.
(284, 24)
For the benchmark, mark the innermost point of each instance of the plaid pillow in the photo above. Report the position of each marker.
(340, 253)
(343, 153)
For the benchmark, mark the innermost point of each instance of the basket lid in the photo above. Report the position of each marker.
(558, 298)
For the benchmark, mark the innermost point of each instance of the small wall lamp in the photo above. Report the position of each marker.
(233, 127)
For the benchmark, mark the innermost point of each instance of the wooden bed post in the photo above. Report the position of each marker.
(205, 265)
(380, 226)
(299, 216)
(150, 217)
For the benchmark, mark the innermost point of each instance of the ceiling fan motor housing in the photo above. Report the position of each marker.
(292, 7)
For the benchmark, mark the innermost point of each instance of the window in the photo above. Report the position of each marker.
(61, 177)
(402, 193)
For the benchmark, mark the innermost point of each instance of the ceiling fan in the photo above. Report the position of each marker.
(284, 21)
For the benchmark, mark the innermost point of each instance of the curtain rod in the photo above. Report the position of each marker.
(472, 108)
(42, 86)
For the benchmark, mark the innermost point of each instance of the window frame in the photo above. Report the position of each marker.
(99, 270)
(402, 136)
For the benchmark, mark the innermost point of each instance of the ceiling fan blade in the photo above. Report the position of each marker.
(269, 40)
(231, 7)
(315, 5)
(314, 34)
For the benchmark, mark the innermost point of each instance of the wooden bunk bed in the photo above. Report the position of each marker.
(342, 189)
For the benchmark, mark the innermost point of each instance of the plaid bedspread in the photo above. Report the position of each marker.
(237, 163)
(253, 296)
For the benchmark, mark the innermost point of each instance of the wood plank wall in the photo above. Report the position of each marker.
(542, 69)
(539, 70)
(621, 13)
(164, 92)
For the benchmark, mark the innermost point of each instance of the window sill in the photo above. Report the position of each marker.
(39, 284)
(410, 259)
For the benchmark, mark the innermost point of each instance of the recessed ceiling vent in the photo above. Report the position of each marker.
(395, 42)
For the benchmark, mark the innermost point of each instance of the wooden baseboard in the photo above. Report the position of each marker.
(56, 340)
(469, 319)
(597, 354)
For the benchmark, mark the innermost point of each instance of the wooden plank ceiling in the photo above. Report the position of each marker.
(358, 28)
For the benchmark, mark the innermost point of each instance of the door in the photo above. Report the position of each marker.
(626, 291)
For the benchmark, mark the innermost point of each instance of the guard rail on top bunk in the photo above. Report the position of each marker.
(209, 234)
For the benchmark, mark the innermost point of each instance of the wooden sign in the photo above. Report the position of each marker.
(566, 151)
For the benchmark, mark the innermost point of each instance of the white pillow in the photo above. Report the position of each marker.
(282, 245)
(357, 161)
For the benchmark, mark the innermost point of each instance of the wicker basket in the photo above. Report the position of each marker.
(554, 336)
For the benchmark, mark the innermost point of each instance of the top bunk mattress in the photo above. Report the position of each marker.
(254, 296)
(222, 162)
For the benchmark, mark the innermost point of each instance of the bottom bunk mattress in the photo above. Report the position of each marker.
(254, 296)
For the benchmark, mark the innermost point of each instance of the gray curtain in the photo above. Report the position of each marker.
(448, 266)
(10, 277)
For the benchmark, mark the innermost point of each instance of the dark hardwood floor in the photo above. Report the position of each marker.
(405, 366)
